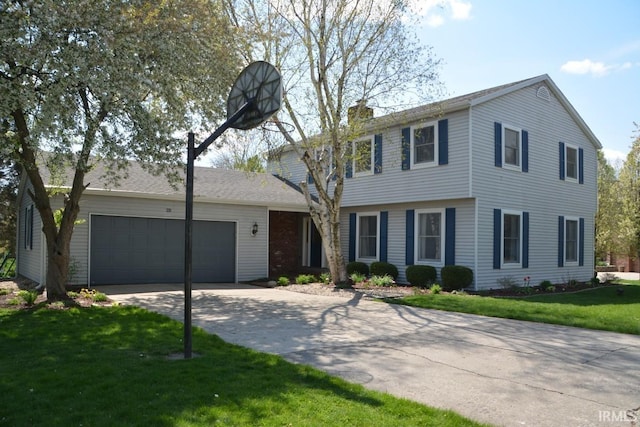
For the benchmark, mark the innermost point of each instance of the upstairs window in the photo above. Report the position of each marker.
(363, 156)
(572, 163)
(512, 147)
(424, 146)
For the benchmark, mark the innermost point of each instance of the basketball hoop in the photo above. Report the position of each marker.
(272, 126)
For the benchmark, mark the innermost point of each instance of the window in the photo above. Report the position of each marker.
(511, 238)
(363, 156)
(430, 235)
(571, 242)
(571, 157)
(368, 236)
(424, 146)
(28, 227)
(512, 147)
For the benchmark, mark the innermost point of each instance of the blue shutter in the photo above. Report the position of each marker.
(352, 237)
(377, 154)
(497, 136)
(450, 237)
(560, 241)
(443, 142)
(497, 237)
(581, 243)
(561, 161)
(525, 151)
(525, 239)
(406, 149)
(580, 166)
(348, 173)
(409, 242)
(384, 226)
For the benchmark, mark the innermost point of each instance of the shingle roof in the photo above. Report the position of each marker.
(210, 185)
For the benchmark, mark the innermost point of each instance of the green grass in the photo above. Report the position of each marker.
(109, 366)
(599, 308)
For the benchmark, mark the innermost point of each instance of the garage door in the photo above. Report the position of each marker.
(150, 250)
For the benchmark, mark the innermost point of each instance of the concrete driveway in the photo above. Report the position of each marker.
(502, 372)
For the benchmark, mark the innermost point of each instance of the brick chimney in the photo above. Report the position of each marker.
(359, 111)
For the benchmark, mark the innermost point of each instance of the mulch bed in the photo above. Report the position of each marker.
(9, 298)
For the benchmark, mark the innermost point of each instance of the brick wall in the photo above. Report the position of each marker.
(285, 243)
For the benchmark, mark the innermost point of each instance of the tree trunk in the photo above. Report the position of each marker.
(57, 270)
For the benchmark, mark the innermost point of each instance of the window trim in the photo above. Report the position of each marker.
(436, 150)
(566, 162)
(506, 165)
(568, 263)
(518, 264)
(416, 237)
(367, 214)
(354, 147)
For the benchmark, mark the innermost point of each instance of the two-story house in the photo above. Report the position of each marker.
(502, 181)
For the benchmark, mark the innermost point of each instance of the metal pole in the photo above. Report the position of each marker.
(188, 233)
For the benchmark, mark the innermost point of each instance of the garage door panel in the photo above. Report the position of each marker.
(151, 250)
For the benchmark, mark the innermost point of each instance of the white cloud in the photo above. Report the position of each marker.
(586, 66)
(614, 157)
(437, 12)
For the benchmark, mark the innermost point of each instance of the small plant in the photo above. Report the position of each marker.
(357, 267)
(5, 291)
(29, 297)
(305, 279)
(421, 275)
(357, 277)
(551, 288)
(325, 278)
(73, 294)
(507, 282)
(545, 285)
(283, 281)
(381, 281)
(381, 268)
(100, 297)
(435, 289)
(456, 277)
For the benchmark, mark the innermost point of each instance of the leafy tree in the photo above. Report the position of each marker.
(608, 214)
(102, 81)
(240, 152)
(9, 180)
(332, 54)
(630, 203)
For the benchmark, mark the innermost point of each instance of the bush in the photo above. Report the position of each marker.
(283, 281)
(545, 285)
(435, 289)
(357, 277)
(385, 280)
(421, 275)
(357, 267)
(29, 297)
(381, 268)
(456, 277)
(305, 279)
(325, 278)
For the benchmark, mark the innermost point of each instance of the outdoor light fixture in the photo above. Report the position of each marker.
(254, 229)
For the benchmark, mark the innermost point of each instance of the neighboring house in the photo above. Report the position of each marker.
(245, 227)
(502, 181)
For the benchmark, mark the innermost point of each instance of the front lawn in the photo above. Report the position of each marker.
(109, 366)
(603, 308)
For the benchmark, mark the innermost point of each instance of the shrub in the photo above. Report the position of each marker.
(435, 289)
(594, 281)
(283, 281)
(357, 277)
(357, 267)
(385, 280)
(325, 278)
(421, 275)
(545, 285)
(381, 268)
(29, 297)
(456, 277)
(305, 279)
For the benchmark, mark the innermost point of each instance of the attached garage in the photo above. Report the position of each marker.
(151, 250)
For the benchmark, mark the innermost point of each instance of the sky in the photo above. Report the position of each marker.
(589, 48)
